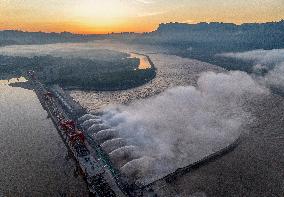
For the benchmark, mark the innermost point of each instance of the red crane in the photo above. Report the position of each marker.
(77, 136)
(67, 125)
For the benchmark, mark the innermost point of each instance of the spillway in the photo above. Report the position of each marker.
(97, 127)
(123, 155)
(90, 122)
(113, 144)
(87, 117)
(105, 135)
(138, 168)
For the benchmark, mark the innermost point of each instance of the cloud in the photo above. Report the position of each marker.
(269, 62)
(189, 21)
(151, 14)
(145, 1)
(65, 50)
(183, 124)
(275, 77)
(259, 56)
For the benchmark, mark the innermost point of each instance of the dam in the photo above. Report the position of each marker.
(62, 112)
(110, 162)
(129, 160)
(83, 134)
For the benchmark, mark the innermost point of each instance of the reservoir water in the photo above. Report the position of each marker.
(32, 157)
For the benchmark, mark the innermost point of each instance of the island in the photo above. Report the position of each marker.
(115, 71)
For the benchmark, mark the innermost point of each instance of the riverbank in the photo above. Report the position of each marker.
(143, 74)
(170, 71)
(145, 61)
(252, 168)
(83, 66)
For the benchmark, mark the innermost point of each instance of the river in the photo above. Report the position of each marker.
(32, 156)
(171, 71)
(144, 62)
(254, 168)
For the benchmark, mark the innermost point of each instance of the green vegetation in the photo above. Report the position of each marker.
(78, 73)
(115, 80)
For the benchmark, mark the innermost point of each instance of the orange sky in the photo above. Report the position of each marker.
(104, 16)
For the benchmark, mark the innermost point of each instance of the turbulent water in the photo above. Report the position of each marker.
(252, 169)
(32, 156)
(171, 71)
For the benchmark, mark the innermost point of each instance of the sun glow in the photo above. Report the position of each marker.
(104, 16)
(101, 9)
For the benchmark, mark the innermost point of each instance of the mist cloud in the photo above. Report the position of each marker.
(65, 50)
(183, 124)
(269, 61)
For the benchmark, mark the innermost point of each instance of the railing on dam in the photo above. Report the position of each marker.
(103, 156)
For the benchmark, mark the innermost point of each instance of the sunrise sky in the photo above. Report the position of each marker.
(103, 16)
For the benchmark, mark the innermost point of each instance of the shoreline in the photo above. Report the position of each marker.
(70, 88)
(184, 170)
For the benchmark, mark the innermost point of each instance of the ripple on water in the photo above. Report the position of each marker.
(171, 71)
(32, 154)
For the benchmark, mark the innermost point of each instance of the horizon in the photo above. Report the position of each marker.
(142, 98)
(170, 22)
(103, 17)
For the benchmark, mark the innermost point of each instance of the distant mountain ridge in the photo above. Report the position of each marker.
(8, 37)
(205, 41)
(202, 41)
(219, 26)
(261, 35)
(220, 36)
